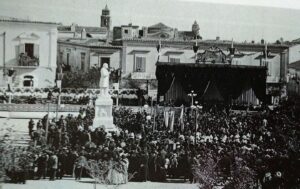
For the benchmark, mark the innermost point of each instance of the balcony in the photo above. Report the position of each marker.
(27, 61)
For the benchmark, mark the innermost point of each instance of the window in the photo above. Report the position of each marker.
(82, 61)
(68, 58)
(126, 31)
(105, 60)
(28, 81)
(175, 60)
(29, 49)
(140, 64)
(61, 57)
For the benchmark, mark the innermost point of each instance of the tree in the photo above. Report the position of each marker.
(243, 177)
(205, 173)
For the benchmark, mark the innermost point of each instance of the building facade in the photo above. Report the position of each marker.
(80, 55)
(28, 50)
(136, 51)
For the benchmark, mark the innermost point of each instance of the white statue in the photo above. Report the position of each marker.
(104, 80)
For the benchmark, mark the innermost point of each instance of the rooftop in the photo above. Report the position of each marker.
(78, 29)
(89, 42)
(213, 41)
(159, 25)
(19, 20)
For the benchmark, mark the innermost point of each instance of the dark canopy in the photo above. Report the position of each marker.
(230, 80)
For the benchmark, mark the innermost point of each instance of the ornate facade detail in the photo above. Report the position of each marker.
(212, 55)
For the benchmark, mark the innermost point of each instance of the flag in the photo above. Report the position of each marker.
(181, 118)
(172, 113)
(166, 117)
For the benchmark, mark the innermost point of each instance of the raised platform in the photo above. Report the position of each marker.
(103, 113)
(211, 65)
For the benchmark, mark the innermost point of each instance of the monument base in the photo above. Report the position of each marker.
(103, 114)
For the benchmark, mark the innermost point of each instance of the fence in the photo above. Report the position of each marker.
(40, 107)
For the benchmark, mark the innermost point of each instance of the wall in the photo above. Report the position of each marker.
(151, 55)
(74, 57)
(91, 57)
(294, 53)
(114, 59)
(45, 35)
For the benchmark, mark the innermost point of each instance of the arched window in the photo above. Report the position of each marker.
(28, 81)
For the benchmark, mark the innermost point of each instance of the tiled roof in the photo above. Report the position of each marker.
(11, 19)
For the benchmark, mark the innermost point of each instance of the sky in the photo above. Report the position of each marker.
(242, 20)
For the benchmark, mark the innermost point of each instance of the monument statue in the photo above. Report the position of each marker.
(103, 105)
(104, 80)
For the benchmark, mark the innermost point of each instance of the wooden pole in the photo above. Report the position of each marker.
(47, 123)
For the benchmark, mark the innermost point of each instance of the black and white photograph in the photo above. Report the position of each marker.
(142, 94)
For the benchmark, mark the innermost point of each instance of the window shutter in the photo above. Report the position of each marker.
(143, 64)
(22, 48)
(36, 50)
(137, 64)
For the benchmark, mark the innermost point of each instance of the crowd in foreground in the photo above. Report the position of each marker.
(266, 143)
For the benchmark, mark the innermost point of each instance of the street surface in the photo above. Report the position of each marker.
(86, 183)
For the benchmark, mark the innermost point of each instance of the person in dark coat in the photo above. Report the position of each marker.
(30, 127)
(145, 161)
(62, 159)
(79, 166)
(160, 169)
(152, 166)
(134, 166)
(53, 165)
(42, 165)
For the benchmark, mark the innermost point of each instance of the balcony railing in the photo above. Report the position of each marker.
(25, 60)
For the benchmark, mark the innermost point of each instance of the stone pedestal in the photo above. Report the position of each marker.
(103, 114)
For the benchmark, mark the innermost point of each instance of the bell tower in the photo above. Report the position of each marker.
(105, 18)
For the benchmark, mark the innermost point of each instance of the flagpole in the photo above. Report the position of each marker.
(154, 119)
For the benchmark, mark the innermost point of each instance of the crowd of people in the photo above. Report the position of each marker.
(266, 142)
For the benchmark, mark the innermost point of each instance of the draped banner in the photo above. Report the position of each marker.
(230, 80)
(181, 119)
(166, 118)
(172, 117)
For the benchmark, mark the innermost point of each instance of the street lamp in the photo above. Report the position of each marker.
(58, 84)
(158, 48)
(192, 95)
(196, 108)
(47, 123)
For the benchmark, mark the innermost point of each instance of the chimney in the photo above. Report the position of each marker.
(83, 34)
(175, 33)
(145, 31)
